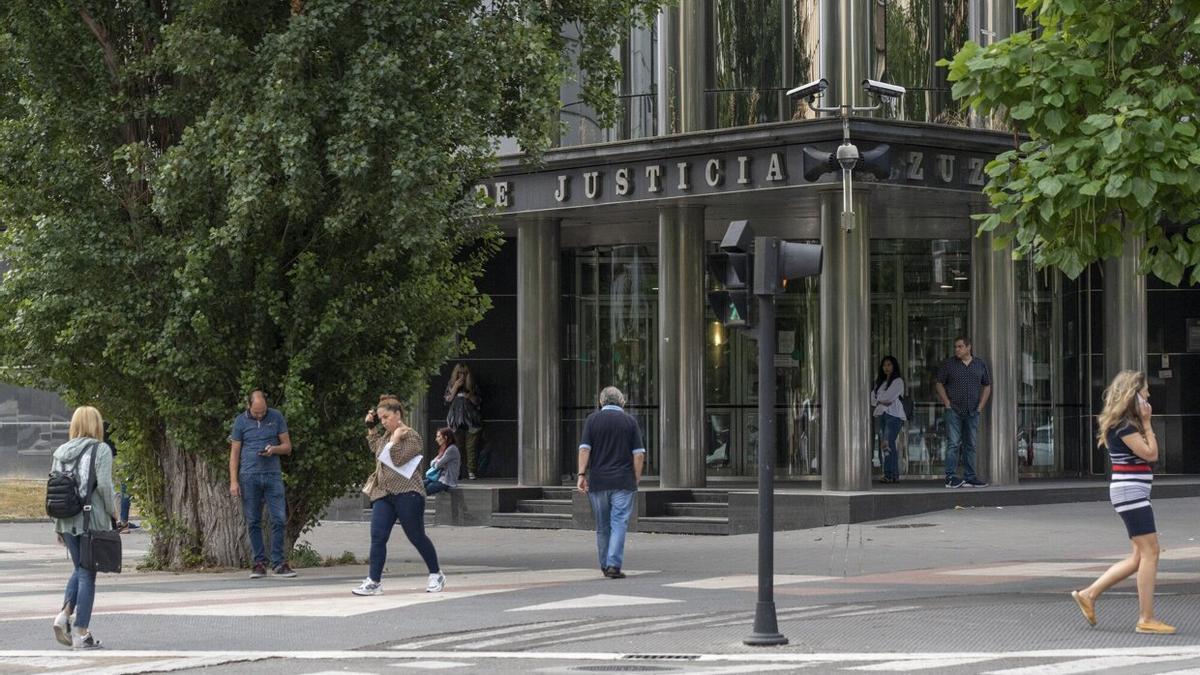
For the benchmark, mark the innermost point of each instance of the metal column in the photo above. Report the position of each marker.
(994, 324)
(845, 48)
(538, 400)
(845, 347)
(681, 346)
(667, 98)
(1124, 311)
(693, 47)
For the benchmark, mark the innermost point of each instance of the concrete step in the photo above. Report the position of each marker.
(698, 509)
(561, 506)
(683, 525)
(721, 497)
(557, 492)
(539, 521)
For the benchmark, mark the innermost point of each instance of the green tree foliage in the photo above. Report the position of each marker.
(1106, 91)
(203, 196)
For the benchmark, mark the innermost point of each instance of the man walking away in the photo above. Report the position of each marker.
(611, 457)
(259, 436)
(964, 384)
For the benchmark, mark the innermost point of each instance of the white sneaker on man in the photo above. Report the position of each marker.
(368, 587)
(437, 581)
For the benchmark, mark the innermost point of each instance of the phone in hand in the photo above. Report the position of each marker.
(1142, 403)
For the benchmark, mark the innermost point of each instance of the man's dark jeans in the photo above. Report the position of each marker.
(961, 431)
(256, 489)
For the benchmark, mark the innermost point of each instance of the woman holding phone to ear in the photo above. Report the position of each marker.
(1126, 431)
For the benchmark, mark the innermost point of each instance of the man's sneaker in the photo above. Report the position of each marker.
(368, 587)
(954, 482)
(471, 476)
(614, 573)
(285, 570)
(258, 571)
(437, 581)
(975, 482)
(88, 641)
(62, 629)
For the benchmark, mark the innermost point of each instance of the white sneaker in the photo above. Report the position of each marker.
(368, 587)
(86, 641)
(436, 583)
(62, 629)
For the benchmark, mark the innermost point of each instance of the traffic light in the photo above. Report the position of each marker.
(778, 261)
(877, 161)
(730, 271)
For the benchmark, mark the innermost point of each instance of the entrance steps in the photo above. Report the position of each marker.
(697, 512)
(551, 511)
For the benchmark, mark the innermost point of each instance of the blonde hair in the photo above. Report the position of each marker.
(86, 422)
(1120, 404)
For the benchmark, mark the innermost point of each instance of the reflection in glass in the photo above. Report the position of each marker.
(745, 84)
(32, 425)
(636, 97)
(731, 389)
(916, 34)
(1036, 450)
(611, 322)
(920, 301)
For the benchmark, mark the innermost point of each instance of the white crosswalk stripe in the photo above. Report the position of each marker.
(1090, 665)
(919, 664)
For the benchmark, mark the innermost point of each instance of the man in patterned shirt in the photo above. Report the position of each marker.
(964, 385)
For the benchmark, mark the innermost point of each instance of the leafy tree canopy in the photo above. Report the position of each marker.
(1106, 91)
(199, 197)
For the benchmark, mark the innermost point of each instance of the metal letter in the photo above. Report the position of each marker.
(502, 189)
(946, 168)
(775, 169)
(481, 191)
(976, 164)
(915, 172)
(743, 170)
(713, 174)
(591, 184)
(623, 181)
(683, 176)
(653, 173)
(562, 194)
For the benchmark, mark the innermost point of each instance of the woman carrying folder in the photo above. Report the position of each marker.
(397, 492)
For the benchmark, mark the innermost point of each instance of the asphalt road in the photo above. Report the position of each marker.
(959, 591)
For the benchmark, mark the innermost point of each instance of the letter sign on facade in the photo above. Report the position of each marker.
(683, 176)
(775, 168)
(623, 181)
(502, 189)
(946, 168)
(743, 170)
(653, 175)
(561, 195)
(712, 173)
(591, 184)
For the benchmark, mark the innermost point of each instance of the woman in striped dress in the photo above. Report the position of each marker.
(1126, 431)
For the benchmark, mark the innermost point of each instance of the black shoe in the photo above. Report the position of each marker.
(259, 570)
(975, 482)
(954, 482)
(284, 570)
(614, 573)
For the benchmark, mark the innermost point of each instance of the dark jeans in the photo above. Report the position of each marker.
(81, 589)
(125, 501)
(409, 509)
(432, 487)
(256, 489)
(961, 430)
(889, 429)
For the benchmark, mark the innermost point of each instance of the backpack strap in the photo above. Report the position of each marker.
(92, 484)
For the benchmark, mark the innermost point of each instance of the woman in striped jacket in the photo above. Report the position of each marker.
(1126, 432)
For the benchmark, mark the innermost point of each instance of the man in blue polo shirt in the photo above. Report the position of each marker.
(259, 437)
(964, 384)
(611, 457)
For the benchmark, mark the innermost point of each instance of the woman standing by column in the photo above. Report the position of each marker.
(1126, 431)
(83, 453)
(888, 408)
(463, 416)
(395, 496)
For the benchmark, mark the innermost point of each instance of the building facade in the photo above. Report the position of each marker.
(603, 281)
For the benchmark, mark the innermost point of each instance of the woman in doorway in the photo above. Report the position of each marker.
(463, 417)
(446, 464)
(1126, 431)
(395, 496)
(888, 409)
(83, 453)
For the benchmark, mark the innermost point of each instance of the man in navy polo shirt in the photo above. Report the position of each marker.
(259, 437)
(964, 384)
(611, 457)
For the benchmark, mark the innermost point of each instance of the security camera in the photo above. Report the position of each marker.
(847, 156)
(811, 89)
(883, 89)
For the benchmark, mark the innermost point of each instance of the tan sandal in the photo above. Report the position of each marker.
(1087, 607)
(1154, 627)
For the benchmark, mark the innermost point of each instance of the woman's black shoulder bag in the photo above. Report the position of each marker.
(99, 551)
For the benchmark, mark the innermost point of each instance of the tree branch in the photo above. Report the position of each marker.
(110, 54)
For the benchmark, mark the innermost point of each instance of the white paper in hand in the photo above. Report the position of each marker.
(407, 469)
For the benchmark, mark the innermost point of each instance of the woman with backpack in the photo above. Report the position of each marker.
(887, 403)
(89, 459)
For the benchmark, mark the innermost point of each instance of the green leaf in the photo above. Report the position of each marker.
(1050, 186)
(1143, 191)
(1092, 188)
(1022, 111)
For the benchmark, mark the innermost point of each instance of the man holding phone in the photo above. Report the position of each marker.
(964, 384)
(259, 437)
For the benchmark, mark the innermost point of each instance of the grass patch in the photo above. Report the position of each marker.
(304, 555)
(21, 499)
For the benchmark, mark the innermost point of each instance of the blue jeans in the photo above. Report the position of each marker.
(257, 488)
(81, 589)
(432, 487)
(611, 509)
(961, 430)
(125, 501)
(889, 428)
(409, 509)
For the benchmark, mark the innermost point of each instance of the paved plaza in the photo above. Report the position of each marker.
(976, 590)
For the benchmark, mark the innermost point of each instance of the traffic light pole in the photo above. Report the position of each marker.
(766, 627)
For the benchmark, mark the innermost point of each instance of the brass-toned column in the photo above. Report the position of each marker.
(845, 346)
(681, 346)
(693, 47)
(845, 49)
(1124, 311)
(538, 398)
(994, 326)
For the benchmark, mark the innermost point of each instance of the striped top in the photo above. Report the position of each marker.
(1124, 460)
(1132, 476)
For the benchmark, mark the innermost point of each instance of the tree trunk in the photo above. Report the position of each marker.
(204, 524)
